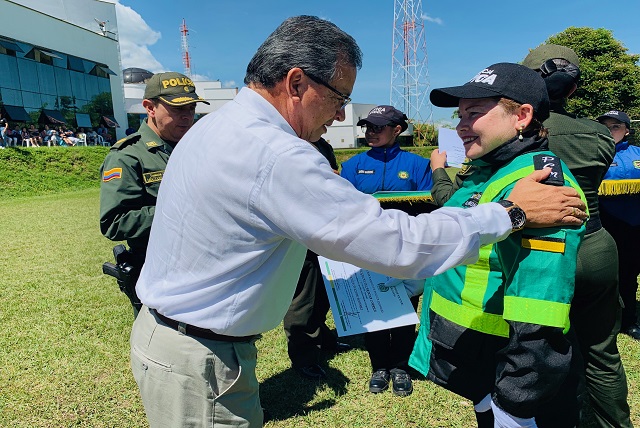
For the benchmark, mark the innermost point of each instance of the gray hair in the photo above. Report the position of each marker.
(308, 42)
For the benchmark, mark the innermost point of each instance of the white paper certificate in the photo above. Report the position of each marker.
(363, 301)
(449, 141)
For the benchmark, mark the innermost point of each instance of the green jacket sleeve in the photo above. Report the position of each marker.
(443, 187)
(126, 208)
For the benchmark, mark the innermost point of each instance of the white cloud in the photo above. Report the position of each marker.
(229, 84)
(431, 19)
(199, 77)
(135, 37)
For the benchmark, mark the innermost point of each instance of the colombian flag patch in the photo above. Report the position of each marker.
(112, 174)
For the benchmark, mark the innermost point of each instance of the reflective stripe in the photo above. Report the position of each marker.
(497, 186)
(534, 311)
(469, 317)
(492, 190)
(476, 279)
(541, 243)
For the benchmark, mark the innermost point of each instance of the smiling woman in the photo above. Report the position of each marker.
(485, 337)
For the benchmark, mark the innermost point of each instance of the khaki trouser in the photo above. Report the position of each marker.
(187, 381)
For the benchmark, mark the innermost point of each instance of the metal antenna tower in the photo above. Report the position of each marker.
(186, 59)
(409, 73)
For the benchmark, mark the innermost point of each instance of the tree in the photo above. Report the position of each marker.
(610, 77)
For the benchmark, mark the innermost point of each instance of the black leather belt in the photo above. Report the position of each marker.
(192, 330)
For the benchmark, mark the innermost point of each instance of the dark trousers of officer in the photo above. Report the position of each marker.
(305, 321)
(391, 348)
(595, 317)
(627, 238)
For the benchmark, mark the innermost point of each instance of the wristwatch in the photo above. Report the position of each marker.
(516, 214)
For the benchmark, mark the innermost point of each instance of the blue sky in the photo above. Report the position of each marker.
(462, 37)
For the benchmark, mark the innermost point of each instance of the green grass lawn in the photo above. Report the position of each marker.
(64, 346)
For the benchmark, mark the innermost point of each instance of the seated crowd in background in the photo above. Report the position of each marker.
(32, 136)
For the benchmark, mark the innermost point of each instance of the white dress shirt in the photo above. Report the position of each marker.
(242, 199)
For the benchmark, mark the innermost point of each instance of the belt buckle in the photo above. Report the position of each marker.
(182, 328)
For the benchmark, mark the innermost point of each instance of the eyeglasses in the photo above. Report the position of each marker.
(343, 98)
(616, 127)
(375, 129)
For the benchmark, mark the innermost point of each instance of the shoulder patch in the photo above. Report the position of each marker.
(152, 144)
(124, 142)
(153, 177)
(112, 174)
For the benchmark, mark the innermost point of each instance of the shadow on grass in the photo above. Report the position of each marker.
(288, 394)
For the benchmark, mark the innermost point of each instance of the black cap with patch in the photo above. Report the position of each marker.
(618, 115)
(385, 115)
(172, 88)
(513, 81)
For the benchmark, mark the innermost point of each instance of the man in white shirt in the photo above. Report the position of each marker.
(243, 197)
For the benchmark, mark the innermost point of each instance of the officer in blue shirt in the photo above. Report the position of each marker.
(387, 167)
(620, 205)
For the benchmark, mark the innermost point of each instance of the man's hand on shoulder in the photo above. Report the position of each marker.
(546, 205)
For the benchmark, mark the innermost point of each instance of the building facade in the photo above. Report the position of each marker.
(57, 63)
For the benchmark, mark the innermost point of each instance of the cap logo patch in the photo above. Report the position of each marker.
(485, 76)
(403, 175)
(180, 81)
(636, 164)
(377, 110)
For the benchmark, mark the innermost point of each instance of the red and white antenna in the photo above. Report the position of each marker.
(186, 59)
(409, 73)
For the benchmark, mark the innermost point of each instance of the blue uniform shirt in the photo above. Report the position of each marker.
(388, 169)
(625, 166)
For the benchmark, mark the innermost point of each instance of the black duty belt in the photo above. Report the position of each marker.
(192, 330)
(593, 225)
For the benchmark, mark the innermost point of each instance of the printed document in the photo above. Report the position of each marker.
(449, 141)
(363, 301)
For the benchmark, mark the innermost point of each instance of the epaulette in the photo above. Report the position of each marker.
(127, 141)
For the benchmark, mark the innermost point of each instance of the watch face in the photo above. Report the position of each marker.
(518, 218)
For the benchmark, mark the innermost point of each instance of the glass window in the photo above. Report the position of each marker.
(9, 72)
(78, 85)
(46, 79)
(28, 75)
(63, 82)
(104, 85)
(82, 104)
(11, 97)
(49, 101)
(75, 63)
(31, 100)
(92, 86)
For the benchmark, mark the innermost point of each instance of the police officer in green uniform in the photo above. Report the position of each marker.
(587, 148)
(133, 169)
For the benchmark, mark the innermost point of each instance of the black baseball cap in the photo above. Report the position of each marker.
(504, 79)
(617, 115)
(172, 88)
(385, 115)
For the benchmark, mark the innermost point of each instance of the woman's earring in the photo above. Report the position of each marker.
(520, 137)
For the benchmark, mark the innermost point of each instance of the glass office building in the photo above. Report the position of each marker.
(57, 64)
(36, 79)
